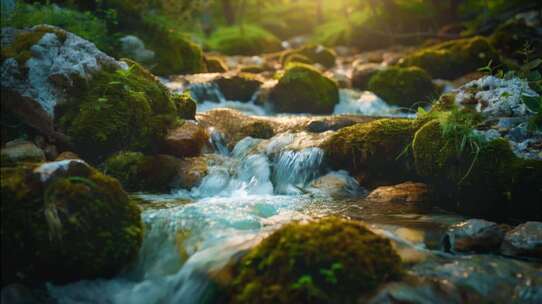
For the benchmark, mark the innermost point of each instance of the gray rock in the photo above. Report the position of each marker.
(474, 235)
(21, 150)
(362, 74)
(524, 241)
(134, 48)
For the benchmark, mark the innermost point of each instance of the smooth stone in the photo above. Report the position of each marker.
(524, 241)
(474, 235)
(408, 192)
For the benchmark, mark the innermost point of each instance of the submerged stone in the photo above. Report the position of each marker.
(408, 192)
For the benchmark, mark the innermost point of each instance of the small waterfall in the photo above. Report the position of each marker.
(293, 170)
(217, 141)
(206, 92)
(366, 103)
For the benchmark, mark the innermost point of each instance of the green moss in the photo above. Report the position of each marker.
(402, 86)
(510, 38)
(118, 110)
(303, 89)
(175, 53)
(246, 40)
(314, 53)
(254, 69)
(215, 64)
(259, 129)
(78, 226)
(137, 172)
(453, 59)
(240, 87)
(186, 105)
(329, 260)
(375, 152)
(477, 177)
(20, 47)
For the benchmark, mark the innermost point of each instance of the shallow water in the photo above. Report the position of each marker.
(258, 186)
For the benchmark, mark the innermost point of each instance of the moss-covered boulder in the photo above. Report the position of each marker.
(474, 176)
(453, 59)
(186, 105)
(511, 37)
(65, 221)
(374, 152)
(314, 53)
(20, 150)
(402, 86)
(239, 87)
(124, 109)
(326, 261)
(215, 64)
(138, 172)
(174, 54)
(303, 89)
(244, 40)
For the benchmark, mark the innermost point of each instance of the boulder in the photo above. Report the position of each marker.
(373, 151)
(313, 262)
(215, 64)
(138, 172)
(186, 106)
(248, 40)
(362, 73)
(239, 87)
(192, 170)
(53, 80)
(20, 150)
(65, 221)
(303, 89)
(310, 54)
(525, 240)
(133, 47)
(408, 192)
(186, 140)
(474, 235)
(402, 86)
(67, 155)
(336, 184)
(453, 59)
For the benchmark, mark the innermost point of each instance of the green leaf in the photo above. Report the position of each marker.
(534, 76)
(533, 64)
(532, 102)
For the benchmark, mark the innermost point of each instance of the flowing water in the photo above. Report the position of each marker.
(256, 187)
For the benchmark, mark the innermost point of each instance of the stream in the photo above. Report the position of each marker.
(254, 188)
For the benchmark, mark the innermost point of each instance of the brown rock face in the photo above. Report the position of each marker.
(67, 155)
(186, 140)
(407, 192)
(524, 241)
(192, 170)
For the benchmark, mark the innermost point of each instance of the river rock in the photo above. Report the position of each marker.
(239, 87)
(408, 192)
(337, 184)
(67, 155)
(474, 235)
(134, 48)
(37, 78)
(20, 150)
(524, 241)
(186, 140)
(362, 73)
(192, 170)
(54, 217)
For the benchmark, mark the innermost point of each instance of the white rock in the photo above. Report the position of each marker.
(134, 47)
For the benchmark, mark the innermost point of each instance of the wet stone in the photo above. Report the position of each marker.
(524, 241)
(474, 235)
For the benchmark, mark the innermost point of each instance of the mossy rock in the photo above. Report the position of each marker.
(73, 226)
(453, 59)
(245, 40)
(303, 89)
(402, 86)
(215, 64)
(374, 152)
(485, 179)
(239, 87)
(137, 172)
(510, 38)
(20, 47)
(254, 69)
(259, 129)
(117, 110)
(186, 105)
(330, 260)
(314, 53)
(296, 58)
(175, 54)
